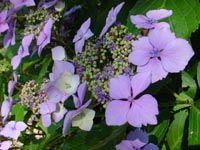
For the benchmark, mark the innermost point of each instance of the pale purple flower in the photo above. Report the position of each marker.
(83, 34)
(9, 38)
(78, 102)
(5, 145)
(12, 129)
(23, 51)
(149, 21)
(20, 3)
(111, 18)
(3, 24)
(44, 36)
(46, 110)
(125, 107)
(58, 53)
(136, 140)
(59, 113)
(63, 82)
(159, 53)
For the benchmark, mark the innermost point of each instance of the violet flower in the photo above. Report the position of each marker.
(78, 102)
(21, 3)
(83, 34)
(44, 36)
(136, 140)
(149, 21)
(9, 38)
(12, 129)
(23, 51)
(5, 145)
(111, 18)
(3, 24)
(46, 109)
(125, 107)
(159, 53)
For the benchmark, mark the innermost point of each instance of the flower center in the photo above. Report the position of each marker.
(155, 53)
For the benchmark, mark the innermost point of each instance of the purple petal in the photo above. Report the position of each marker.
(5, 109)
(143, 111)
(3, 27)
(161, 25)
(81, 91)
(140, 82)
(141, 21)
(53, 94)
(20, 126)
(79, 46)
(47, 107)
(159, 14)
(5, 145)
(150, 146)
(116, 112)
(60, 112)
(155, 68)
(159, 38)
(88, 34)
(176, 55)
(76, 101)
(141, 51)
(125, 145)
(139, 135)
(46, 120)
(68, 121)
(16, 61)
(58, 53)
(120, 87)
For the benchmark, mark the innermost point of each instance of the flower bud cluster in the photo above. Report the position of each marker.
(104, 58)
(31, 95)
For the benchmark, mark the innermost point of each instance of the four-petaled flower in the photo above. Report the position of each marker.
(136, 140)
(111, 18)
(83, 34)
(12, 129)
(125, 107)
(149, 21)
(159, 53)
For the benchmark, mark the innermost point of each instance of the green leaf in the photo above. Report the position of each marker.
(198, 74)
(184, 20)
(45, 64)
(194, 126)
(101, 137)
(189, 82)
(176, 130)
(18, 111)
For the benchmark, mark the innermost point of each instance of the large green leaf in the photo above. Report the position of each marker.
(183, 22)
(198, 74)
(19, 112)
(176, 130)
(194, 126)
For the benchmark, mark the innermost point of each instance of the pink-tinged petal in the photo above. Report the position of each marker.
(81, 92)
(116, 112)
(79, 46)
(3, 27)
(159, 38)
(143, 111)
(16, 61)
(125, 145)
(20, 126)
(59, 67)
(155, 68)
(176, 55)
(159, 14)
(120, 87)
(140, 82)
(5, 145)
(141, 21)
(150, 146)
(58, 53)
(60, 112)
(46, 120)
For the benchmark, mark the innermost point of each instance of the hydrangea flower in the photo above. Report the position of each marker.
(125, 107)
(78, 102)
(159, 53)
(46, 109)
(111, 18)
(12, 129)
(58, 53)
(83, 34)
(23, 51)
(20, 3)
(44, 36)
(136, 140)
(3, 24)
(5, 145)
(149, 21)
